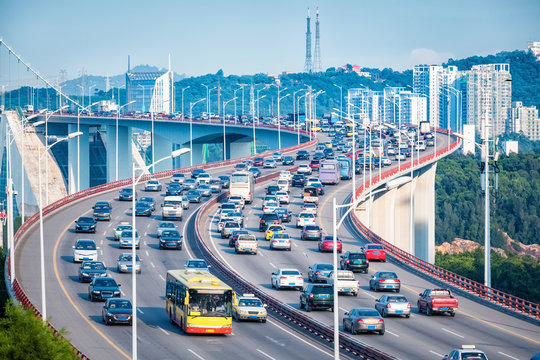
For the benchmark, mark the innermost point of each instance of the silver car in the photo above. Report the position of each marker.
(185, 202)
(280, 241)
(250, 308)
(165, 225)
(393, 305)
(363, 320)
(124, 225)
(385, 280)
(205, 190)
(228, 228)
(125, 263)
(269, 163)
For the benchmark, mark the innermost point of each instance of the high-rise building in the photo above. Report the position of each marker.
(534, 47)
(488, 92)
(524, 119)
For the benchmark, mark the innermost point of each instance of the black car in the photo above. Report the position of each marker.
(142, 208)
(126, 194)
(225, 181)
(319, 187)
(174, 189)
(194, 196)
(318, 156)
(102, 212)
(195, 173)
(255, 171)
(272, 189)
(354, 261)
(85, 224)
(288, 160)
(284, 214)
(298, 180)
(150, 200)
(302, 155)
(317, 296)
(267, 219)
(91, 269)
(103, 288)
(117, 311)
(170, 239)
(328, 152)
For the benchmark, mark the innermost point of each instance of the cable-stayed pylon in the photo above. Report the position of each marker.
(308, 66)
(317, 66)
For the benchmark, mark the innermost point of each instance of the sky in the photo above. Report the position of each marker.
(258, 36)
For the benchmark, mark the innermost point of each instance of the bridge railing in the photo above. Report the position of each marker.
(494, 296)
(23, 229)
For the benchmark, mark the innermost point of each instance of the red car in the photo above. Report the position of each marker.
(258, 161)
(375, 252)
(315, 164)
(326, 244)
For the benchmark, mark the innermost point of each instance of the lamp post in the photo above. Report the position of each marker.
(143, 101)
(224, 143)
(278, 119)
(79, 111)
(191, 105)
(9, 198)
(116, 142)
(298, 117)
(183, 89)
(90, 93)
(82, 98)
(235, 97)
(340, 100)
(210, 103)
(134, 183)
(253, 124)
(41, 246)
(207, 101)
(48, 115)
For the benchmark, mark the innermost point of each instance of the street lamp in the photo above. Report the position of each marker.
(90, 92)
(183, 89)
(207, 96)
(224, 144)
(278, 119)
(235, 97)
(210, 103)
(134, 183)
(191, 105)
(341, 100)
(253, 123)
(116, 146)
(298, 117)
(41, 246)
(79, 111)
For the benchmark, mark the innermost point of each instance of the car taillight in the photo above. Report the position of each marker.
(359, 320)
(318, 231)
(317, 272)
(388, 306)
(408, 306)
(381, 280)
(282, 277)
(397, 280)
(300, 278)
(381, 320)
(347, 261)
(311, 296)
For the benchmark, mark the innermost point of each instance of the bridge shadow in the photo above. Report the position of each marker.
(75, 278)
(153, 246)
(68, 259)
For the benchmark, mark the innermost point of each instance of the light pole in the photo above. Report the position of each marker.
(298, 117)
(134, 183)
(41, 246)
(253, 123)
(82, 89)
(210, 103)
(116, 142)
(183, 89)
(278, 119)
(235, 97)
(90, 93)
(48, 115)
(80, 110)
(207, 101)
(341, 100)
(191, 105)
(224, 143)
(143, 102)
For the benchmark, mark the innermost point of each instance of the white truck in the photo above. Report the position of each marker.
(346, 283)
(246, 244)
(172, 208)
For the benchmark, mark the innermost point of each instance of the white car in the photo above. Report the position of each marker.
(85, 249)
(421, 145)
(126, 239)
(237, 198)
(165, 225)
(287, 278)
(304, 169)
(283, 184)
(249, 308)
(152, 185)
(312, 180)
(386, 161)
(222, 223)
(304, 219)
(270, 207)
(286, 175)
(204, 178)
(283, 197)
(280, 241)
(270, 163)
(269, 198)
(310, 208)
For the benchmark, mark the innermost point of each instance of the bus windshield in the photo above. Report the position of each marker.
(210, 302)
(328, 166)
(239, 178)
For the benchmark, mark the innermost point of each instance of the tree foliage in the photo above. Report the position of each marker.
(24, 336)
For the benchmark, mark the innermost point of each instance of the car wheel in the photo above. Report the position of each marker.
(452, 314)
(397, 290)
(419, 307)
(273, 284)
(301, 304)
(91, 298)
(408, 316)
(308, 307)
(289, 249)
(102, 319)
(428, 311)
(381, 332)
(355, 294)
(263, 320)
(353, 331)
(332, 309)
(384, 314)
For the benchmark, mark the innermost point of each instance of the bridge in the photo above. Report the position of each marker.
(503, 326)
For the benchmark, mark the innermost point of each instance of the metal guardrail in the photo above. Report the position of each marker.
(17, 288)
(500, 298)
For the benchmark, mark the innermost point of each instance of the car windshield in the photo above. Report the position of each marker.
(129, 234)
(196, 264)
(321, 289)
(306, 216)
(270, 217)
(368, 312)
(86, 245)
(324, 267)
(153, 182)
(290, 272)
(127, 191)
(123, 227)
(142, 204)
(128, 257)
(166, 225)
(147, 199)
(179, 175)
(473, 356)
(396, 299)
(311, 228)
(192, 193)
(170, 233)
(85, 219)
(93, 266)
(250, 302)
(357, 256)
(105, 282)
(119, 304)
(387, 275)
(223, 177)
(440, 292)
(100, 208)
(281, 236)
(376, 247)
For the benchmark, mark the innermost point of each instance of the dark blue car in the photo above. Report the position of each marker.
(85, 224)
(103, 288)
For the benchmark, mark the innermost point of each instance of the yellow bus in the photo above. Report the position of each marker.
(198, 302)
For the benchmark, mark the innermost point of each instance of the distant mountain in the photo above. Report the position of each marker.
(73, 86)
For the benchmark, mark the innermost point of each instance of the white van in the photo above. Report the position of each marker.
(172, 207)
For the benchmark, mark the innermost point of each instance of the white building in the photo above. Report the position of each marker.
(468, 139)
(524, 119)
(162, 95)
(534, 47)
(510, 147)
(488, 91)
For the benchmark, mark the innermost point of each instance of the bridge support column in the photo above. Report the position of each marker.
(238, 149)
(424, 213)
(124, 153)
(82, 161)
(270, 139)
(162, 148)
(197, 154)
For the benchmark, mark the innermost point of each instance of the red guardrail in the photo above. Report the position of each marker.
(492, 295)
(19, 293)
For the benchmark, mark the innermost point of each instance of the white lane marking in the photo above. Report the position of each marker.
(110, 224)
(161, 276)
(101, 252)
(299, 338)
(194, 353)
(214, 243)
(123, 293)
(273, 265)
(151, 263)
(101, 242)
(260, 253)
(391, 333)
(453, 333)
(371, 296)
(104, 233)
(117, 217)
(295, 244)
(163, 331)
(265, 354)
(148, 226)
(145, 234)
(139, 310)
(511, 357)
(436, 353)
(146, 252)
(343, 309)
(145, 244)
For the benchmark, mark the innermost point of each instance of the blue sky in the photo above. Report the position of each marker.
(250, 36)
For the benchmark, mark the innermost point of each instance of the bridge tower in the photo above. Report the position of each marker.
(317, 67)
(308, 66)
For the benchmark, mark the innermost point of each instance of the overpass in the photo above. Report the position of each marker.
(61, 216)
